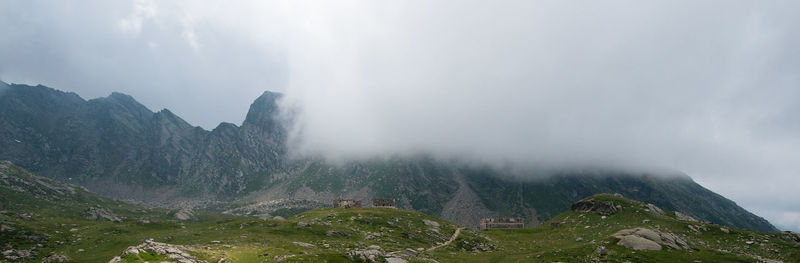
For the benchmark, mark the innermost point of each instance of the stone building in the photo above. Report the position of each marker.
(346, 203)
(501, 223)
(383, 202)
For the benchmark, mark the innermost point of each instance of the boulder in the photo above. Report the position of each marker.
(647, 239)
(396, 260)
(371, 255)
(638, 243)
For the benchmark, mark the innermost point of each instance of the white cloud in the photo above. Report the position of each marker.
(143, 10)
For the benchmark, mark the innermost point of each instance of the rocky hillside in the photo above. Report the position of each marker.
(116, 147)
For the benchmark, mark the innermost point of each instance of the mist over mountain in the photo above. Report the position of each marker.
(707, 88)
(116, 147)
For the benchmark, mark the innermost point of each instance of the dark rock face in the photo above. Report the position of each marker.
(116, 147)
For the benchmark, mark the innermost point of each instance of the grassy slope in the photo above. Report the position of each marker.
(55, 222)
(550, 244)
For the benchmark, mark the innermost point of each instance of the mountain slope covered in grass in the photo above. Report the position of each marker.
(46, 221)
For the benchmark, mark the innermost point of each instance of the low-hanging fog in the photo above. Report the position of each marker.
(710, 88)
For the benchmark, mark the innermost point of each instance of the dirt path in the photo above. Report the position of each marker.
(455, 235)
(452, 238)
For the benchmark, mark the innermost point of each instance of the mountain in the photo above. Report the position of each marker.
(118, 148)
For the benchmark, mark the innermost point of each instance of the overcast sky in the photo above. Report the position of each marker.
(710, 88)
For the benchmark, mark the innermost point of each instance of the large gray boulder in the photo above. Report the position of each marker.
(647, 239)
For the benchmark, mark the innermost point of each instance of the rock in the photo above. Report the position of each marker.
(648, 239)
(638, 243)
(430, 223)
(684, 217)
(655, 210)
(278, 218)
(14, 255)
(173, 252)
(303, 224)
(396, 260)
(591, 205)
(303, 244)
(101, 214)
(724, 230)
(368, 255)
(410, 252)
(184, 214)
(601, 250)
(749, 242)
(791, 236)
(579, 239)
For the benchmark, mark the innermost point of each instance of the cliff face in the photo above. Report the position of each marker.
(116, 147)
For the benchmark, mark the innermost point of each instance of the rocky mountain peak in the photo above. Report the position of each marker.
(263, 111)
(165, 117)
(123, 102)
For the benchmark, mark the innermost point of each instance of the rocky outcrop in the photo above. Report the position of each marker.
(19, 180)
(791, 236)
(600, 207)
(175, 253)
(16, 255)
(101, 214)
(370, 254)
(184, 214)
(684, 217)
(654, 210)
(648, 239)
